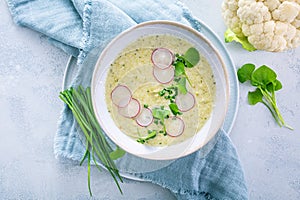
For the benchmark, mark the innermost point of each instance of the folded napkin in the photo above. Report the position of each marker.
(77, 27)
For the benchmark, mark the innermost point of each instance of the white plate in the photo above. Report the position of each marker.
(130, 164)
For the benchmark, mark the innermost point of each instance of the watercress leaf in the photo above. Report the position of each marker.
(263, 76)
(244, 73)
(174, 109)
(255, 97)
(192, 57)
(274, 86)
(160, 113)
(271, 87)
(118, 153)
(156, 113)
(179, 69)
(278, 85)
(181, 84)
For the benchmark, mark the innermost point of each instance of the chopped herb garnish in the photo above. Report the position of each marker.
(146, 106)
(151, 134)
(174, 109)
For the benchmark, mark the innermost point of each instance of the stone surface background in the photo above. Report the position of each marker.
(31, 74)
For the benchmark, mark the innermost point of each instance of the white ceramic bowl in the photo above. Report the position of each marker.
(220, 102)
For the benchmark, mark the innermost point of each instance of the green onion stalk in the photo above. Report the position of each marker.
(97, 147)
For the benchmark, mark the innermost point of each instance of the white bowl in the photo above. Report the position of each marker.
(221, 98)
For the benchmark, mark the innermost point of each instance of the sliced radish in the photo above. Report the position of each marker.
(162, 58)
(131, 110)
(174, 126)
(163, 75)
(145, 118)
(185, 102)
(121, 96)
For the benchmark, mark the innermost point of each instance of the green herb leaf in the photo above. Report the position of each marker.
(160, 113)
(174, 109)
(118, 153)
(191, 57)
(179, 69)
(263, 76)
(231, 36)
(255, 97)
(244, 73)
(181, 84)
(150, 135)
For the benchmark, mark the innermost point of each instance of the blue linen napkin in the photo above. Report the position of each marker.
(77, 27)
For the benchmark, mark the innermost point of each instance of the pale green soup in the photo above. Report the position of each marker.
(133, 68)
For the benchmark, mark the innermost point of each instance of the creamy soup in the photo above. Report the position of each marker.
(133, 67)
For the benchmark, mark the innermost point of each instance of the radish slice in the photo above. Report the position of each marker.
(145, 118)
(185, 102)
(121, 96)
(163, 75)
(131, 110)
(162, 58)
(174, 126)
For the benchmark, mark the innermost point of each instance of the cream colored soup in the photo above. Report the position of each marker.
(133, 68)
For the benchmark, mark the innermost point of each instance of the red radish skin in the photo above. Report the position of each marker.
(185, 102)
(145, 118)
(121, 96)
(181, 127)
(164, 76)
(131, 110)
(162, 58)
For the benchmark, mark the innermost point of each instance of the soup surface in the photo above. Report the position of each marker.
(134, 69)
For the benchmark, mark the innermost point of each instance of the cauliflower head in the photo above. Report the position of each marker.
(270, 25)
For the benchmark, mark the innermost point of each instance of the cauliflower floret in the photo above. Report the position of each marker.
(271, 25)
(271, 4)
(286, 12)
(253, 12)
(231, 19)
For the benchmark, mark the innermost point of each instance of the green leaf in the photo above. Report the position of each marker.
(181, 84)
(192, 57)
(244, 73)
(179, 69)
(231, 36)
(278, 85)
(263, 76)
(150, 135)
(174, 109)
(118, 153)
(274, 86)
(160, 113)
(255, 97)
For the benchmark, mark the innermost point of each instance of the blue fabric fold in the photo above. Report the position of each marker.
(77, 27)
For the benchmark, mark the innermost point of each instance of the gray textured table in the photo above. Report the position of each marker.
(31, 74)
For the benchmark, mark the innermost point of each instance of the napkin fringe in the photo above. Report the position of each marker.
(195, 23)
(86, 18)
(14, 14)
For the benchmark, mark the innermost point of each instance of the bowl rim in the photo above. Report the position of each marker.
(189, 29)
